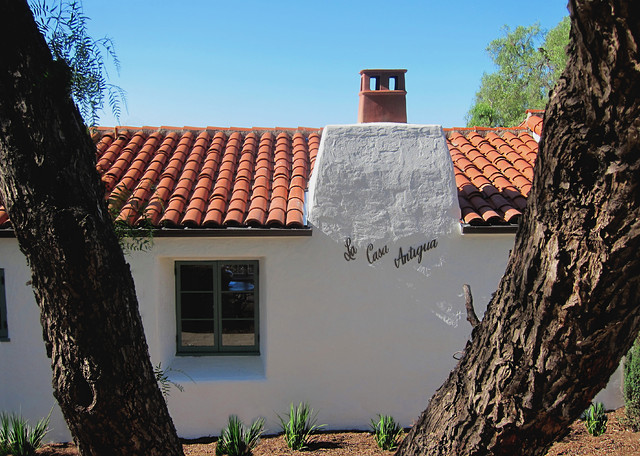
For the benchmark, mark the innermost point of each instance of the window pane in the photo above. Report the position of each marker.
(238, 333)
(196, 277)
(237, 277)
(237, 305)
(197, 305)
(197, 333)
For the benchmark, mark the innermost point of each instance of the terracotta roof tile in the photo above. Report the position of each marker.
(314, 146)
(238, 177)
(123, 162)
(113, 151)
(281, 178)
(534, 123)
(4, 217)
(219, 201)
(213, 177)
(155, 210)
(240, 195)
(493, 168)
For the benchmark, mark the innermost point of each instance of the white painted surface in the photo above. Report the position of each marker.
(353, 339)
(383, 182)
(25, 370)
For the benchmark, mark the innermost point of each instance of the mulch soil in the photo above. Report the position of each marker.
(615, 441)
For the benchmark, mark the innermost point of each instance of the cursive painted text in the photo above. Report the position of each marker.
(414, 252)
(350, 254)
(374, 255)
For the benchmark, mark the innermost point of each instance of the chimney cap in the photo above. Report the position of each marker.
(382, 70)
(382, 96)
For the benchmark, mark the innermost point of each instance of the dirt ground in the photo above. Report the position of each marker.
(616, 441)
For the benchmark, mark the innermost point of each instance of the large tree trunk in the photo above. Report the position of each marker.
(102, 375)
(567, 309)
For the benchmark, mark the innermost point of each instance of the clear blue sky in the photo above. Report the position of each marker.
(296, 63)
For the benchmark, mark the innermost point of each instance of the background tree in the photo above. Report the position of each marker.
(102, 376)
(632, 387)
(567, 308)
(64, 27)
(529, 64)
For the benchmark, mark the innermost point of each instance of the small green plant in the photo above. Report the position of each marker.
(387, 432)
(18, 438)
(5, 429)
(164, 382)
(237, 440)
(138, 238)
(299, 426)
(596, 419)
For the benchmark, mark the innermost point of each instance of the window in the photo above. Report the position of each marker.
(4, 332)
(217, 307)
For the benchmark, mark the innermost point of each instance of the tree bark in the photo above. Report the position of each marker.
(472, 318)
(566, 310)
(102, 376)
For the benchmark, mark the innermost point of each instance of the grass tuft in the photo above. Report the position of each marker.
(237, 440)
(387, 432)
(596, 419)
(18, 438)
(299, 426)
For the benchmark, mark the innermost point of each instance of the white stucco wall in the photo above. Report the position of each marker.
(353, 338)
(25, 370)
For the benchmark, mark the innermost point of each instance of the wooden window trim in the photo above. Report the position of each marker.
(218, 349)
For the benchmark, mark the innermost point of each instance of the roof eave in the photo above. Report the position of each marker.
(211, 232)
(489, 229)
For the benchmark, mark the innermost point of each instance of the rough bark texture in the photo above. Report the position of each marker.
(472, 318)
(102, 376)
(566, 310)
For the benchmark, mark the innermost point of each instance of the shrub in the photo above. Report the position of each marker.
(596, 419)
(632, 387)
(299, 426)
(18, 438)
(5, 448)
(386, 432)
(237, 440)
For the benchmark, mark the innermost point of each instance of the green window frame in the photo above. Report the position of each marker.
(217, 307)
(4, 330)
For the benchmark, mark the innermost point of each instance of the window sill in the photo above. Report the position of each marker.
(214, 354)
(216, 368)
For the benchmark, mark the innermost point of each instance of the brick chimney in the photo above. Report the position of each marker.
(383, 97)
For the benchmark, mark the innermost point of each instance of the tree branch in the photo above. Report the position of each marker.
(468, 303)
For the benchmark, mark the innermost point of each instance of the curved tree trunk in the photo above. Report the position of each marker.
(102, 375)
(567, 309)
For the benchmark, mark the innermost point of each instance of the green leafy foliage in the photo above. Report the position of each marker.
(386, 432)
(64, 27)
(299, 426)
(529, 62)
(237, 440)
(137, 238)
(18, 438)
(596, 419)
(164, 382)
(632, 387)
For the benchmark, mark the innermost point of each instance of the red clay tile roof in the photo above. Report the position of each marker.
(207, 178)
(494, 171)
(217, 178)
(534, 123)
